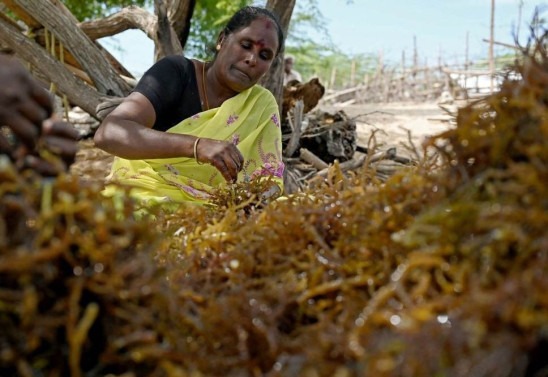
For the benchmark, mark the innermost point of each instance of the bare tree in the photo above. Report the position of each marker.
(64, 52)
(273, 80)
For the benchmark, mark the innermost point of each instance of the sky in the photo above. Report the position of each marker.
(440, 28)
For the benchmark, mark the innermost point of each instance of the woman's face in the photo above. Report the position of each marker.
(246, 55)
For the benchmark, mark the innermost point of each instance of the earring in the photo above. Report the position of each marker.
(218, 47)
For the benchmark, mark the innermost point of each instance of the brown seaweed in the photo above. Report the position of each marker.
(433, 272)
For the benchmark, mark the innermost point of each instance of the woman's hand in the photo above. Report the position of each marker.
(223, 155)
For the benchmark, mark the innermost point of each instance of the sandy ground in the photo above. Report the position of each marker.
(396, 124)
(389, 122)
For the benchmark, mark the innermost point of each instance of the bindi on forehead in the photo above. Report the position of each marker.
(260, 43)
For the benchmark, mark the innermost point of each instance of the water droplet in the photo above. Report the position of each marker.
(395, 320)
(396, 275)
(234, 264)
(145, 289)
(443, 318)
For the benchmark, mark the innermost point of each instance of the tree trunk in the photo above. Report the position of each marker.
(273, 80)
(77, 91)
(180, 13)
(64, 26)
(168, 44)
(64, 52)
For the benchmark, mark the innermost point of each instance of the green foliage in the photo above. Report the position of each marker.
(207, 21)
(91, 9)
(307, 26)
(315, 60)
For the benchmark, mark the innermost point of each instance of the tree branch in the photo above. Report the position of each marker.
(79, 93)
(66, 30)
(128, 18)
(180, 13)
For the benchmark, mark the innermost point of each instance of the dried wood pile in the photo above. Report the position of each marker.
(313, 141)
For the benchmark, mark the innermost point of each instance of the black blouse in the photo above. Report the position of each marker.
(170, 85)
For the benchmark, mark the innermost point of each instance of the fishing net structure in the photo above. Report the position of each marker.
(439, 270)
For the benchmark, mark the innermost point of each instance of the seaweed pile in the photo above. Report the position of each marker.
(438, 271)
(80, 293)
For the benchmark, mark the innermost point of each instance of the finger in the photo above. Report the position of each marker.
(219, 163)
(41, 96)
(5, 146)
(33, 111)
(240, 157)
(38, 165)
(232, 170)
(25, 131)
(59, 128)
(61, 146)
(235, 158)
(237, 163)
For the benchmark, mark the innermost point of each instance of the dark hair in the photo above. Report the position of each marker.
(246, 15)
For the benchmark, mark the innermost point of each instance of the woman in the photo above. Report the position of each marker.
(190, 126)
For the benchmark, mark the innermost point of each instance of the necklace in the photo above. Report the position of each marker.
(204, 85)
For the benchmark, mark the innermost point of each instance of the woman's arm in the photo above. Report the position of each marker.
(127, 132)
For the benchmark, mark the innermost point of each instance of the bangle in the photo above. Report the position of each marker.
(196, 151)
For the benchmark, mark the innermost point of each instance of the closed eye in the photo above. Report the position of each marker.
(266, 55)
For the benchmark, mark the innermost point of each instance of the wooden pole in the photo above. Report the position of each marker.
(519, 18)
(402, 79)
(333, 76)
(353, 73)
(491, 48)
(466, 63)
(415, 54)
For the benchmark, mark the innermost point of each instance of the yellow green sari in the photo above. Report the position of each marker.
(250, 120)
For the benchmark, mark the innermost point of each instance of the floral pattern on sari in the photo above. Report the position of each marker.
(231, 119)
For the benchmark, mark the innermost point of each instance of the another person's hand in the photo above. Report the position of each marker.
(57, 137)
(222, 155)
(26, 108)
